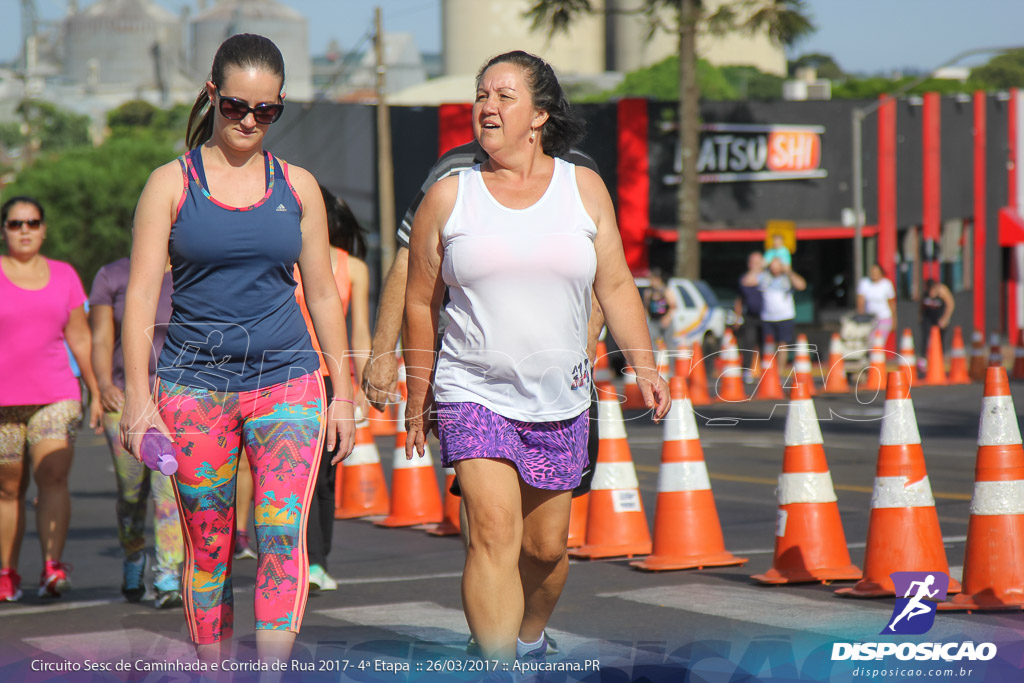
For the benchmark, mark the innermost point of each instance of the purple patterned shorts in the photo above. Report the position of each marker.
(548, 455)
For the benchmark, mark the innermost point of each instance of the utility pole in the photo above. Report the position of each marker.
(385, 168)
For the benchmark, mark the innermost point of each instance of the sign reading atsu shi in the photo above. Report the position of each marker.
(732, 152)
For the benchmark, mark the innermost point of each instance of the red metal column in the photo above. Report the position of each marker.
(931, 180)
(454, 126)
(1010, 325)
(980, 206)
(887, 189)
(634, 189)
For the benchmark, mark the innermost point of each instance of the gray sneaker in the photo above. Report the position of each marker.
(473, 647)
(168, 592)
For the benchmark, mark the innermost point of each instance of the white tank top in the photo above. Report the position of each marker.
(519, 282)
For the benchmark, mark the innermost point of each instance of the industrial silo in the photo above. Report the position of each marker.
(123, 44)
(283, 25)
(632, 43)
(474, 30)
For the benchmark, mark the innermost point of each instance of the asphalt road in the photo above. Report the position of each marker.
(399, 600)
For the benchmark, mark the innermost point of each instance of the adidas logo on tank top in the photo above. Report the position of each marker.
(280, 207)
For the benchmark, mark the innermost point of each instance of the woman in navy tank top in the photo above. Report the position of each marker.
(237, 371)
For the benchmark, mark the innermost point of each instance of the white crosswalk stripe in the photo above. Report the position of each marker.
(124, 644)
(782, 609)
(430, 622)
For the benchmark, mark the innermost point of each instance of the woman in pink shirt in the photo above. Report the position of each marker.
(41, 306)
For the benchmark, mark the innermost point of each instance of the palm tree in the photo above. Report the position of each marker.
(785, 21)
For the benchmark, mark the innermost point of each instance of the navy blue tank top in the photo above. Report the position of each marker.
(235, 323)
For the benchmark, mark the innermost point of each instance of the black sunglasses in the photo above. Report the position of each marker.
(235, 109)
(32, 223)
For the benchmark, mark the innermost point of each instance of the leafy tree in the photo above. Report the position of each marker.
(750, 83)
(1002, 71)
(660, 81)
(825, 65)
(51, 128)
(137, 116)
(89, 194)
(785, 21)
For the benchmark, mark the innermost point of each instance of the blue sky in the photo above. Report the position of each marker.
(863, 35)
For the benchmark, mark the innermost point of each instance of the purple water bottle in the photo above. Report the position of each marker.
(158, 452)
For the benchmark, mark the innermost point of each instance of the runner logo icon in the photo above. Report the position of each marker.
(914, 612)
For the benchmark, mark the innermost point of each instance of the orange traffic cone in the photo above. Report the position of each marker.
(936, 374)
(874, 376)
(958, 359)
(1018, 358)
(687, 532)
(995, 354)
(382, 423)
(450, 525)
(903, 530)
(578, 521)
(802, 369)
(696, 376)
(835, 381)
(769, 386)
(415, 498)
(809, 541)
(979, 356)
(729, 386)
(385, 423)
(663, 358)
(364, 492)
(602, 369)
(616, 523)
(631, 389)
(907, 358)
(994, 558)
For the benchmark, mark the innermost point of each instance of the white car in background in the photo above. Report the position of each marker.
(698, 315)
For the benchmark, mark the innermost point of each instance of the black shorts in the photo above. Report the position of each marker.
(593, 441)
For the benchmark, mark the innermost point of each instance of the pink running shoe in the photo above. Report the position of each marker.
(54, 580)
(10, 585)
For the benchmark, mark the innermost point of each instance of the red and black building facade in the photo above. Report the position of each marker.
(943, 198)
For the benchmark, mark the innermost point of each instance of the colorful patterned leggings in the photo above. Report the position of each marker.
(134, 483)
(280, 428)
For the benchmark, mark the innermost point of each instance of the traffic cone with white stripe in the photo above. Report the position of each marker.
(364, 492)
(994, 558)
(936, 372)
(903, 530)
(450, 525)
(1018, 358)
(385, 422)
(958, 359)
(874, 376)
(415, 498)
(602, 369)
(835, 382)
(687, 532)
(995, 353)
(663, 358)
(802, 370)
(769, 386)
(695, 372)
(907, 359)
(810, 544)
(634, 398)
(979, 357)
(578, 521)
(616, 523)
(729, 386)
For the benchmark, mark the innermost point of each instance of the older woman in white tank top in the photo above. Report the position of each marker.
(520, 241)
